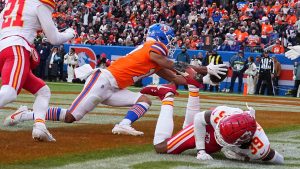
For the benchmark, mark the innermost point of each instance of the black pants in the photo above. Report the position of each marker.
(266, 77)
(211, 88)
(296, 86)
(275, 85)
(235, 75)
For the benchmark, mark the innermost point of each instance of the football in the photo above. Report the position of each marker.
(215, 79)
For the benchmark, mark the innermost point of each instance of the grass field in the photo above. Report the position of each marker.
(90, 144)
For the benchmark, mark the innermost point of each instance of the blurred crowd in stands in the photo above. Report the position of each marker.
(229, 25)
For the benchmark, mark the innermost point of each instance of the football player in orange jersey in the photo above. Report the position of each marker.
(108, 86)
(228, 129)
(20, 21)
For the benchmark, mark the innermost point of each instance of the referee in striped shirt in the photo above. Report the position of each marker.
(266, 73)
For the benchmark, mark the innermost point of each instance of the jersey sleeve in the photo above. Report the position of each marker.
(260, 145)
(159, 48)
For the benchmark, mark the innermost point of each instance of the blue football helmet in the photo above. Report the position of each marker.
(165, 34)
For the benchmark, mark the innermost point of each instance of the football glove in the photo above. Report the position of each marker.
(202, 155)
(216, 69)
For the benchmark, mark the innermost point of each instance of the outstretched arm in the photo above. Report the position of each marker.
(201, 120)
(54, 37)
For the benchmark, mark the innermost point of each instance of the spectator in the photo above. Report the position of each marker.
(103, 62)
(266, 31)
(61, 54)
(197, 60)
(230, 40)
(277, 71)
(296, 77)
(44, 50)
(251, 73)
(183, 56)
(71, 59)
(53, 64)
(238, 65)
(266, 73)
(277, 48)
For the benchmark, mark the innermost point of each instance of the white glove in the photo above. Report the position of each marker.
(206, 80)
(232, 155)
(71, 31)
(294, 77)
(202, 155)
(216, 69)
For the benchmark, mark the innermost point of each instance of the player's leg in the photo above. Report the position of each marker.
(14, 70)
(140, 105)
(38, 87)
(97, 89)
(193, 105)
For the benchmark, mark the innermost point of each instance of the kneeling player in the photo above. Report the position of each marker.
(229, 129)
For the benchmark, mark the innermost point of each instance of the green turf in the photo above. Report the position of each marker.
(70, 158)
(164, 165)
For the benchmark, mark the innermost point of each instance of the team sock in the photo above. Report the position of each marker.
(56, 114)
(165, 125)
(136, 112)
(193, 105)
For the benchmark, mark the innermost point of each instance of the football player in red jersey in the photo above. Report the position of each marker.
(229, 129)
(19, 22)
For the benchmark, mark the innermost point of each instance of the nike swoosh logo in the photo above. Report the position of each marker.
(262, 153)
(13, 116)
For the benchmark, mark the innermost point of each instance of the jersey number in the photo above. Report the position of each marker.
(256, 145)
(13, 13)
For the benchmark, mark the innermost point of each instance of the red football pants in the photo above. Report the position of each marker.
(185, 140)
(15, 70)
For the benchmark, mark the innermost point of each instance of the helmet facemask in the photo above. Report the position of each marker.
(171, 45)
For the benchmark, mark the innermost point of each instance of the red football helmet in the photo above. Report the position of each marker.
(235, 130)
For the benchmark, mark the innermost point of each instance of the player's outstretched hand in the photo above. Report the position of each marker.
(202, 155)
(216, 70)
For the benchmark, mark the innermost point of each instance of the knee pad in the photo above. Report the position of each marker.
(44, 92)
(7, 95)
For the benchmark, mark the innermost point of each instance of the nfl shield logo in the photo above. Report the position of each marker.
(164, 28)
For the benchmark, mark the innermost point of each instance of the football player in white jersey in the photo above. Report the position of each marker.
(233, 131)
(19, 22)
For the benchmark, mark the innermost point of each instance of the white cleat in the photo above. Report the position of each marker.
(16, 117)
(126, 130)
(40, 133)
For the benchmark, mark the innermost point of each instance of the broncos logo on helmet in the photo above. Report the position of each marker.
(163, 33)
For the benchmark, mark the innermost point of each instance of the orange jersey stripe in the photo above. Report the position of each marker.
(17, 73)
(194, 94)
(51, 3)
(168, 103)
(180, 138)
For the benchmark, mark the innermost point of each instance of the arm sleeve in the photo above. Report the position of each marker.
(200, 130)
(54, 37)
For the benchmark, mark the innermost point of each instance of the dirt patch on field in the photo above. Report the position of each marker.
(18, 146)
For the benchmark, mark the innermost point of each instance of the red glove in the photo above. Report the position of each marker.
(34, 58)
(191, 78)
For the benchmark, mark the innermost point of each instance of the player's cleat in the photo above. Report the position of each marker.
(40, 133)
(126, 130)
(16, 117)
(159, 90)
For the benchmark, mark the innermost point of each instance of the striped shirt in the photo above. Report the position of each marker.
(266, 64)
